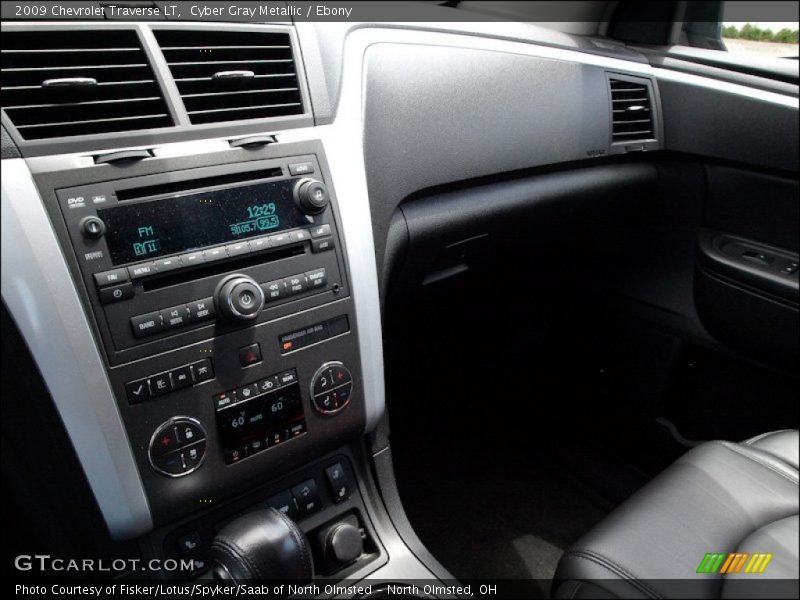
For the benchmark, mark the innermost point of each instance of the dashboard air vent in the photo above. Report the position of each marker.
(632, 111)
(80, 82)
(232, 75)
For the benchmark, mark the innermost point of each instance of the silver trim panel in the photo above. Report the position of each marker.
(44, 303)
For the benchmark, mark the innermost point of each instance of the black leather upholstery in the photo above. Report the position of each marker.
(261, 545)
(719, 497)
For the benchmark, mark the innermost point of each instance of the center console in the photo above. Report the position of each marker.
(221, 299)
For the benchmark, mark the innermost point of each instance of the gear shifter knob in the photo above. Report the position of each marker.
(264, 544)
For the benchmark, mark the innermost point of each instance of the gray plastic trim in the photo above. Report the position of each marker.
(42, 299)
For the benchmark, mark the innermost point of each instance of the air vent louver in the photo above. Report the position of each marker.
(232, 75)
(632, 111)
(98, 82)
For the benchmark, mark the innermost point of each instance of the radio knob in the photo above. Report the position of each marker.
(239, 298)
(311, 196)
(92, 227)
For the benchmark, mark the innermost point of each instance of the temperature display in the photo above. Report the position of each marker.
(261, 422)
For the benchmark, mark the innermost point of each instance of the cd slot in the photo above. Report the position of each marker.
(175, 187)
(158, 282)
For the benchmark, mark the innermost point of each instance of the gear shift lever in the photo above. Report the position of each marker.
(263, 544)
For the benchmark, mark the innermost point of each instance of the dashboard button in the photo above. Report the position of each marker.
(193, 455)
(148, 324)
(279, 239)
(169, 464)
(246, 392)
(301, 235)
(238, 249)
(297, 429)
(201, 310)
(165, 440)
(143, 270)
(137, 391)
(259, 244)
(268, 384)
(307, 496)
(323, 381)
(288, 377)
(340, 374)
(175, 316)
(168, 264)
(250, 355)
(188, 432)
(320, 231)
(296, 284)
(322, 244)
(338, 482)
(234, 455)
(160, 384)
(181, 377)
(116, 293)
(112, 277)
(214, 254)
(276, 437)
(202, 370)
(256, 445)
(285, 503)
(192, 258)
(303, 168)
(223, 400)
(325, 402)
(316, 278)
(273, 290)
(341, 395)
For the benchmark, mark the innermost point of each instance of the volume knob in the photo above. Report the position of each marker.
(239, 298)
(311, 196)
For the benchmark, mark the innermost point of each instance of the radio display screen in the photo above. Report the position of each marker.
(185, 222)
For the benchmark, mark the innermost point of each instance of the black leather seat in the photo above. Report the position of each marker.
(720, 497)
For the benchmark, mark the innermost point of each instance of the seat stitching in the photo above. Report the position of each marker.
(763, 463)
(614, 568)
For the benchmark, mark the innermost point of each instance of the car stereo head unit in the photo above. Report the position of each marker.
(164, 256)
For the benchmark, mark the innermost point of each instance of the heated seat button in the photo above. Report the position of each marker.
(250, 355)
(116, 293)
(285, 503)
(181, 377)
(202, 370)
(307, 496)
(146, 324)
(175, 316)
(137, 391)
(165, 440)
(338, 482)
